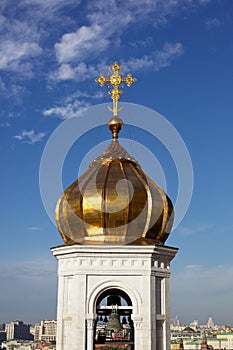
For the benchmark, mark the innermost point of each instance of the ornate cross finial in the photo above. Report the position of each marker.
(115, 81)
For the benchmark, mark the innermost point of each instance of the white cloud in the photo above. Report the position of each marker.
(11, 90)
(103, 26)
(208, 279)
(73, 105)
(14, 55)
(65, 72)
(2, 86)
(199, 291)
(204, 2)
(22, 36)
(5, 125)
(70, 110)
(107, 24)
(84, 42)
(80, 72)
(29, 269)
(197, 228)
(158, 59)
(34, 228)
(212, 23)
(193, 267)
(83, 94)
(30, 136)
(48, 8)
(19, 45)
(91, 41)
(28, 278)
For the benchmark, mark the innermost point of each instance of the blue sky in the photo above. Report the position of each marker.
(181, 52)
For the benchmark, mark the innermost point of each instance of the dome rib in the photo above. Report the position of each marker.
(92, 173)
(149, 204)
(104, 200)
(127, 207)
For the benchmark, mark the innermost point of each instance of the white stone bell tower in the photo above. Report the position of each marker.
(87, 272)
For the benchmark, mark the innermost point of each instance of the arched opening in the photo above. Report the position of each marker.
(114, 327)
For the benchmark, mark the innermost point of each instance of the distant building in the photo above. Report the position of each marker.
(2, 326)
(194, 324)
(175, 324)
(2, 335)
(19, 345)
(210, 323)
(204, 344)
(45, 346)
(46, 331)
(188, 331)
(18, 330)
(215, 341)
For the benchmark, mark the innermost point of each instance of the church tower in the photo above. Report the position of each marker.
(114, 266)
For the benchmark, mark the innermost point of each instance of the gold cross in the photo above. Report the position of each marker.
(115, 81)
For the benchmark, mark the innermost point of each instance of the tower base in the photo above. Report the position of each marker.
(87, 274)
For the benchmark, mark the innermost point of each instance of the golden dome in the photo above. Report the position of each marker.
(114, 201)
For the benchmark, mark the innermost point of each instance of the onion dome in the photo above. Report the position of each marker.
(114, 201)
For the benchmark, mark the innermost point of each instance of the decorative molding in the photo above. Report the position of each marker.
(107, 264)
(111, 284)
(137, 320)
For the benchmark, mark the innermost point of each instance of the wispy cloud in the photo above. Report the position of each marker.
(47, 4)
(99, 35)
(208, 279)
(204, 2)
(19, 45)
(71, 110)
(72, 105)
(34, 228)
(5, 125)
(195, 292)
(75, 103)
(13, 91)
(212, 23)
(193, 267)
(25, 38)
(26, 41)
(30, 136)
(35, 278)
(83, 94)
(79, 72)
(29, 269)
(84, 42)
(197, 228)
(158, 59)
(14, 55)
(2, 87)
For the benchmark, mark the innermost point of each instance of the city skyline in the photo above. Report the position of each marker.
(175, 322)
(17, 332)
(181, 54)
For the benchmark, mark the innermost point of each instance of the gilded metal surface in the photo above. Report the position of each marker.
(93, 212)
(113, 151)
